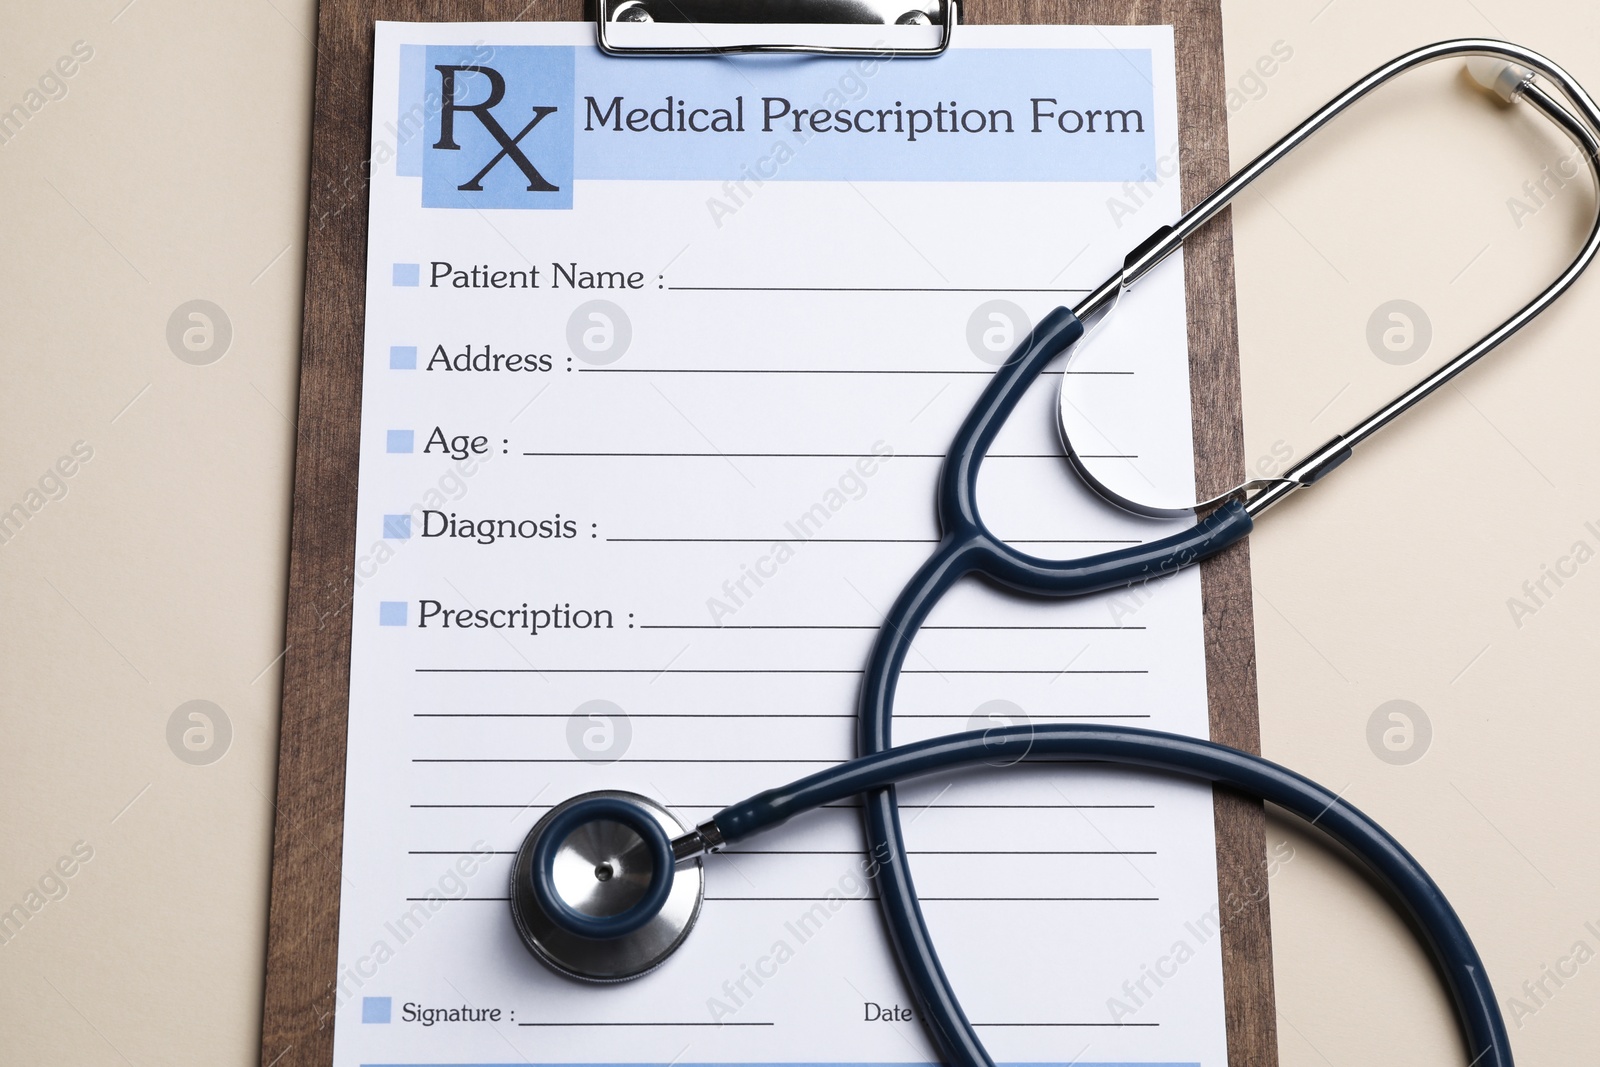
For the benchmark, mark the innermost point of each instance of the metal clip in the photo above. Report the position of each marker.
(701, 841)
(766, 13)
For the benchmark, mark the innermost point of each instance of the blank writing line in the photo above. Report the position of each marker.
(927, 899)
(903, 807)
(636, 760)
(585, 759)
(717, 1024)
(1067, 1024)
(993, 807)
(863, 540)
(824, 900)
(457, 900)
(811, 455)
(844, 852)
(852, 289)
(920, 852)
(737, 670)
(735, 715)
(857, 626)
(838, 370)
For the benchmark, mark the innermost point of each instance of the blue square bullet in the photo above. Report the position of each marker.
(403, 357)
(375, 1009)
(397, 527)
(407, 274)
(391, 613)
(402, 440)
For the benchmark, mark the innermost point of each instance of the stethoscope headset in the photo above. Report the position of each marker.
(607, 885)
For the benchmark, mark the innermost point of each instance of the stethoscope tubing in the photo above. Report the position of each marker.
(1395, 870)
(967, 548)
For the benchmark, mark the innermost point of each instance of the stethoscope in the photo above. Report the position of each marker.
(607, 885)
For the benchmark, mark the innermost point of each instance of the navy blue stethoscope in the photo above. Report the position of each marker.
(608, 884)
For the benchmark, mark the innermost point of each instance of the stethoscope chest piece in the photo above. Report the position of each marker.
(594, 890)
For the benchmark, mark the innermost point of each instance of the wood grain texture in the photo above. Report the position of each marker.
(302, 978)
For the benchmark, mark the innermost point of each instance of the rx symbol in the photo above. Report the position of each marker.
(509, 145)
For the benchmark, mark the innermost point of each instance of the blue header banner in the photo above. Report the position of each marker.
(515, 126)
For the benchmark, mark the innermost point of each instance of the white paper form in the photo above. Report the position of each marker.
(660, 366)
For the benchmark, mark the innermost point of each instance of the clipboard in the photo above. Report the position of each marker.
(303, 919)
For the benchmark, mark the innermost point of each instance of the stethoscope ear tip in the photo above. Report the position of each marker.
(595, 890)
(1497, 76)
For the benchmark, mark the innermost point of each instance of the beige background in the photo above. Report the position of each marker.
(174, 168)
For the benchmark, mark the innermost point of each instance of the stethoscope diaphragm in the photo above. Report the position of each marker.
(597, 859)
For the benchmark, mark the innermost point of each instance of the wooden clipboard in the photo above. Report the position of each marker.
(303, 920)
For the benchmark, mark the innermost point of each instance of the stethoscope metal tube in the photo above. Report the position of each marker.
(1583, 128)
(588, 938)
